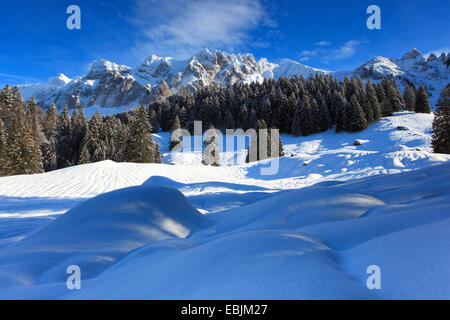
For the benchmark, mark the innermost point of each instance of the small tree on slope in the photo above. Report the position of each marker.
(422, 103)
(441, 123)
(141, 148)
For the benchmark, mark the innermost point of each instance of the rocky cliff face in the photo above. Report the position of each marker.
(107, 84)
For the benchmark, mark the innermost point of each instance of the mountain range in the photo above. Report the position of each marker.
(109, 85)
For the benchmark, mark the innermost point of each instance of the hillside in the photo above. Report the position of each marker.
(160, 231)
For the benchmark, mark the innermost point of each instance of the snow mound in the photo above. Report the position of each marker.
(96, 233)
(148, 242)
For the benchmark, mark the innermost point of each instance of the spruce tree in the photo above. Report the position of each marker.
(386, 108)
(372, 101)
(23, 154)
(37, 134)
(63, 141)
(341, 112)
(355, 116)
(422, 102)
(306, 117)
(176, 125)
(2, 149)
(49, 159)
(296, 124)
(157, 153)
(441, 123)
(141, 148)
(50, 123)
(410, 98)
(84, 157)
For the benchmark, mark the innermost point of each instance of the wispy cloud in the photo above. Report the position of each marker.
(323, 43)
(13, 76)
(179, 28)
(309, 53)
(347, 50)
(325, 54)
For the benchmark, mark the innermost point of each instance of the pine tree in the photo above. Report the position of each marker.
(341, 112)
(355, 116)
(306, 117)
(441, 123)
(157, 153)
(141, 148)
(386, 108)
(85, 157)
(154, 121)
(410, 98)
(394, 97)
(63, 141)
(37, 134)
(22, 154)
(422, 102)
(229, 120)
(372, 101)
(2, 148)
(296, 124)
(49, 159)
(176, 125)
(381, 94)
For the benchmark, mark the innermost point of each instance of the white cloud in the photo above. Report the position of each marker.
(12, 76)
(179, 28)
(347, 50)
(323, 43)
(304, 59)
(309, 53)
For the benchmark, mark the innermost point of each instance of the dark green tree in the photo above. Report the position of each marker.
(441, 123)
(141, 148)
(422, 102)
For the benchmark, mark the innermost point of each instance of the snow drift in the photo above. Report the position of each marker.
(96, 233)
(149, 242)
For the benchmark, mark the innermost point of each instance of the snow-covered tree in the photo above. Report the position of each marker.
(410, 98)
(441, 123)
(422, 102)
(141, 148)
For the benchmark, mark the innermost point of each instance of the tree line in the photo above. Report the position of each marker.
(295, 106)
(33, 140)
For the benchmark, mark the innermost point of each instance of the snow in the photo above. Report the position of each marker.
(187, 231)
(206, 67)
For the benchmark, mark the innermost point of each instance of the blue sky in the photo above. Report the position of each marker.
(329, 34)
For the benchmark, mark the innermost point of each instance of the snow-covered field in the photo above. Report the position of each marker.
(196, 232)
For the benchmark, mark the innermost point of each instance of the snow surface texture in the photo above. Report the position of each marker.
(109, 88)
(188, 231)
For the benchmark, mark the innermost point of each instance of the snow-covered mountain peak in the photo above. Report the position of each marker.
(98, 68)
(414, 54)
(378, 68)
(59, 81)
(153, 59)
(108, 84)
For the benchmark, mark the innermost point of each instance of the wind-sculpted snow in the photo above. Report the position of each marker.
(312, 243)
(96, 233)
(310, 231)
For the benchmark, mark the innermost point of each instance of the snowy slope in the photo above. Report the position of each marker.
(310, 231)
(311, 243)
(108, 85)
